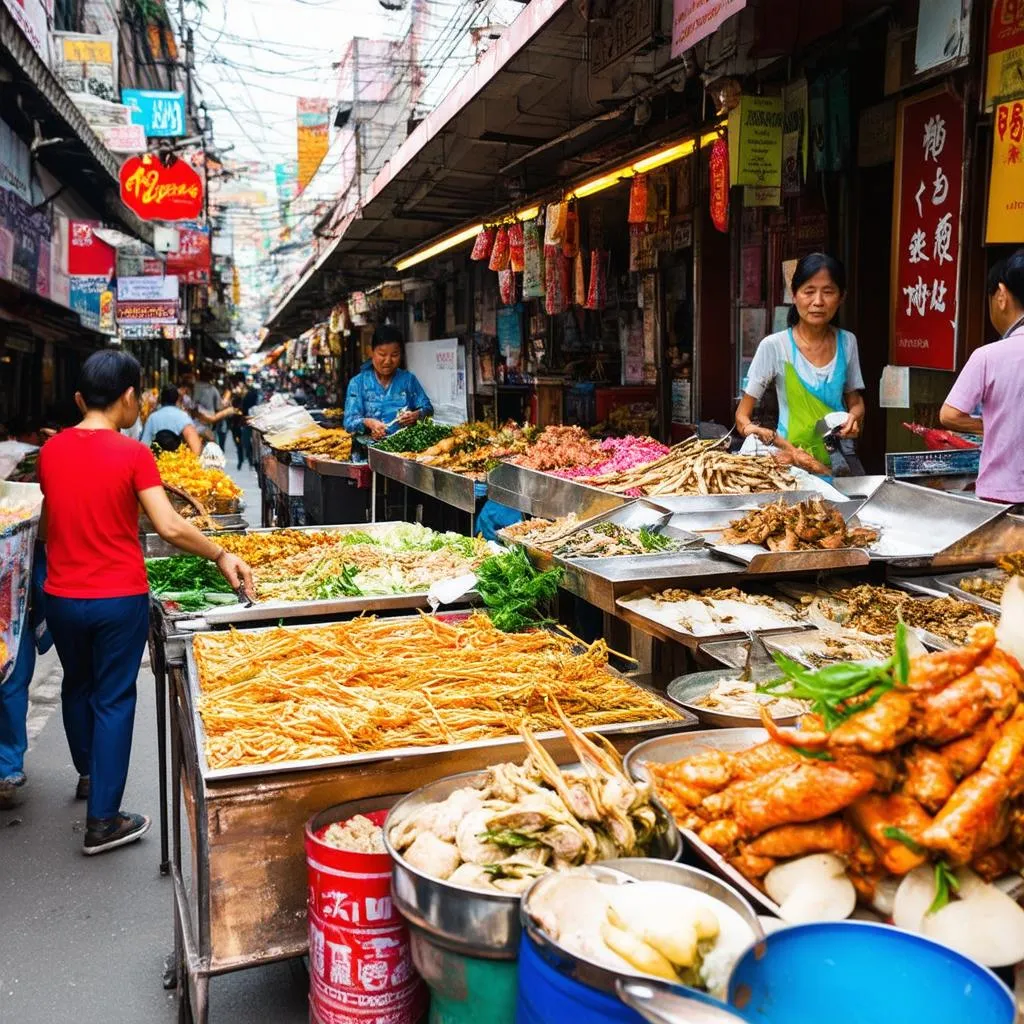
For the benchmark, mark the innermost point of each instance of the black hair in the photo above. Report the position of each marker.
(1012, 276)
(169, 395)
(106, 375)
(806, 268)
(386, 335)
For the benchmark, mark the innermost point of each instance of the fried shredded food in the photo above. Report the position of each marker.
(296, 694)
(806, 526)
(212, 488)
(991, 587)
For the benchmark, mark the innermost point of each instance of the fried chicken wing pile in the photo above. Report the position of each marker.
(932, 770)
(806, 526)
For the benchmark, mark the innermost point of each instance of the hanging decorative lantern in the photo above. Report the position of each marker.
(718, 169)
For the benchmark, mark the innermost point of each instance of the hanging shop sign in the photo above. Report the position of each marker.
(15, 163)
(755, 141)
(123, 138)
(159, 114)
(156, 311)
(26, 243)
(718, 180)
(88, 254)
(192, 260)
(157, 191)
(694, 20)
(30, 16)
(624, 27)
(926, 229)
(147, 289)
(60, 281)
(943, 35)
(313, 137)
(1005, 73)
(86, 64)
(1006, 182)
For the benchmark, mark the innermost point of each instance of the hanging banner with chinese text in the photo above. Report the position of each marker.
(192, 260)
(1006, 183)
(718, 184)
(158, 191)
(313, 137)
(926, 230)
(1005, 73)
(694, 20)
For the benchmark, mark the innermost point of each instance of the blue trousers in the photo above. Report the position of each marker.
(14, 707)
(99, 642)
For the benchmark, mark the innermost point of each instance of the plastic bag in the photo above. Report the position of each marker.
(484, 244)
(579, 281)
(499, 253)
(571, 242)
(556, 281)
(533, 262)
(554, 224)
(507, 286)
(638, 200)
(597, 292)
(515, 246)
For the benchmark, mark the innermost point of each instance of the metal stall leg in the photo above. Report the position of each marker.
(373, 497)
(158, 662)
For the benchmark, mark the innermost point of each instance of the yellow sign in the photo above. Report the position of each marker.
(313, 137)
(88, 51)
(1006, 182)
(1005, 72)
(755, 141)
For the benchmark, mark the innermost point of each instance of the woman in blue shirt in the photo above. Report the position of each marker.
(382, 397)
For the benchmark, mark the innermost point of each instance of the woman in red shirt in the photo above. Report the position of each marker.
(97, 606)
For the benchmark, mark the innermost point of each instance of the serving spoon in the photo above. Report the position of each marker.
(662, 1003)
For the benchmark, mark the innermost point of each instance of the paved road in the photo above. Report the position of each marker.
(84, 939)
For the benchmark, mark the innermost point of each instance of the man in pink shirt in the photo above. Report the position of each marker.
(994, 380)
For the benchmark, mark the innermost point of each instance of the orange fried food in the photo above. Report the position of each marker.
(957, 709)
(798, 792)
(933, 671)
(929, 780)
(765, 757)
(977, 816)
(830, 835)
(751, 865)
(996, 863)
(873, 813)
(880, 728)
(721, 835)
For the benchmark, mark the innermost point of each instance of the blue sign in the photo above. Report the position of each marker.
(161, 114)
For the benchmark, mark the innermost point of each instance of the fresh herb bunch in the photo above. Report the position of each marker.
(514, 591)
(651, 541)
(417, 437)
(342, 585)
(838, 691)
(185, 574)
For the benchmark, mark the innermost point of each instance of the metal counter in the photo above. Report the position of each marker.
(452, 488)
(238, 864)
(547, 496)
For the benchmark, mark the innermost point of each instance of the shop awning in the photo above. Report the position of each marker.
(533, 91)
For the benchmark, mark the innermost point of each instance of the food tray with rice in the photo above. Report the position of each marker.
(274, 700)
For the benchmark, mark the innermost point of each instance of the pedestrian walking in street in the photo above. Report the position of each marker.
(93, 479)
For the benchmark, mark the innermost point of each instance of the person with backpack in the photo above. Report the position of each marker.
(170, 426)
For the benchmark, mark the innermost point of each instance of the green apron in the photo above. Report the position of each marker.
(805, 409)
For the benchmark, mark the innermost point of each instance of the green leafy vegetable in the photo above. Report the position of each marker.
(898, 834)
(514, 591)
(510, 838)
(838, 691)
(417, 437)
(342, 585)
(651, 541)
(814, 755)
(186, 577)
(946, 883)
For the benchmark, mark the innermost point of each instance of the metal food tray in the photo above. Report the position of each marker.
(154, 546)
(665, 631)
(710, 524)
(667, 749)
(950, 584)
(504, 747)
(547, 496)
(453, 489)
(324, 466)
(924, 528)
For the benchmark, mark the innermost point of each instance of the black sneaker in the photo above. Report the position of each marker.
(104, 834)
(82, 789)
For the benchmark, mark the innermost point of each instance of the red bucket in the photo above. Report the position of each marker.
(360, 961)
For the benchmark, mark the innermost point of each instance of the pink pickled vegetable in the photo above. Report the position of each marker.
(622, 453)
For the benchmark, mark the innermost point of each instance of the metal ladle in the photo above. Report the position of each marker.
(662, 1003)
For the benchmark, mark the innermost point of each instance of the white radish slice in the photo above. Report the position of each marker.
(884, 900)
(915, 895)
(1010, 631)
(813, 888)
(988, 927)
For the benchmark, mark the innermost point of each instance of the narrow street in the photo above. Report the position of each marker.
(93, 932)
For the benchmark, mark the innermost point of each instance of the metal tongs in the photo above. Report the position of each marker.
(243, 598)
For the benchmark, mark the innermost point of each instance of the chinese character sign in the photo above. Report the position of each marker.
(926, 225)
(1006, 183)
(1005, 51)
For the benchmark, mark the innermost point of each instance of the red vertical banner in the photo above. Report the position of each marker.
(926, 229)
(718, 172)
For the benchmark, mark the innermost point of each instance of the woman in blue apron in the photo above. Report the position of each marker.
(815, 369)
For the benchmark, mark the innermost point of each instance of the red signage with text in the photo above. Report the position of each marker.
(718, 171)
(88, 254)
(191, 263)
(158, 192)
(926, 230)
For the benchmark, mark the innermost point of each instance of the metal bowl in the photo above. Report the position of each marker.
(687, 690)
(667, 749)
(456, 917)
(594, 975)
